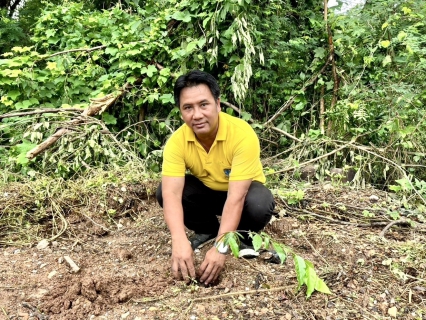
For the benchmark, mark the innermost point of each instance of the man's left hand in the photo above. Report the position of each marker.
(212, 266)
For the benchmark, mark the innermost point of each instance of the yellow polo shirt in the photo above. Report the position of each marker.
(234, 155)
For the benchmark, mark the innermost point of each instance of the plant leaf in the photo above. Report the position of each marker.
(300, 266)
(280, 251)
(257, 242)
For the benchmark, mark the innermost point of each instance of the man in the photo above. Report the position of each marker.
(223, 155)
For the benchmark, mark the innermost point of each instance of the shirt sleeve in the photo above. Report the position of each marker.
(173, 158)
(246, 158)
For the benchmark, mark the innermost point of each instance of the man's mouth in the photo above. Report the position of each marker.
(199, 125)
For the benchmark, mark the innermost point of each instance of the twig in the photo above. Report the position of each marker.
(312, 160)
(401, 221)
(38, 111)
(78, 50)
(288, 135)
(226, 295)
(5, 313)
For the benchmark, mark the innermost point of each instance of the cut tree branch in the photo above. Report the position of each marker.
(312, 160)
(97, 106)
(39, 111)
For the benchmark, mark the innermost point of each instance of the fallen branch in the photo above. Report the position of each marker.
(97, 106)
(39, 111)
(312, 160)
(402, 221)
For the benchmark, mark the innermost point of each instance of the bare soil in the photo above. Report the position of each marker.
(125, 269)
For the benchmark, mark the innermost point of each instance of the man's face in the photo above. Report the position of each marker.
(200, 111)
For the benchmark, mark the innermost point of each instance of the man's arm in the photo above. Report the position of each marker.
(182, 258)
(231, 215)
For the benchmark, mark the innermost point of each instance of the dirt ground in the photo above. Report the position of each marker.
(125, 269)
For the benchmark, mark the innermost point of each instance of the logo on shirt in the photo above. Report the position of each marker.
(227, 173)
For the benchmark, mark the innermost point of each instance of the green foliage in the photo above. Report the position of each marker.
(304, 269)
(11, 33)
(292, 196)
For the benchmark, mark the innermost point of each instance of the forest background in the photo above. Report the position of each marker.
(330, 90)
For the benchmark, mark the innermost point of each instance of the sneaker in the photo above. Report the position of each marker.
(197, 239)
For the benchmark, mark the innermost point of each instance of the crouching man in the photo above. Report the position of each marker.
(222, 154)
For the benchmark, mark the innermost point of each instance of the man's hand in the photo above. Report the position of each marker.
(212, 266)
(182, 259)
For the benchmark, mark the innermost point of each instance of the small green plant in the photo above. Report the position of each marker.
(293, 196)
(305, 271)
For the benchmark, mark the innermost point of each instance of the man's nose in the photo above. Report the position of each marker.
(197, 113)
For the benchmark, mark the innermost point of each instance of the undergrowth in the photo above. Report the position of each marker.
(40, 208)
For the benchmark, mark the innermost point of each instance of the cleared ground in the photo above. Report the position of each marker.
(125, 265)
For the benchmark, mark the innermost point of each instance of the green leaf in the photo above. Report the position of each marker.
(280, 251)
(386, 60)
(108, 118)
(13, 94)
(111, 50)
(182, 16)
(320, 286)
(300, 266)
(257, 242)
(22, 159)
(310, 279)
(385, 43)
(234, 246)
(151, 70)
(191, 46)
(319, 52)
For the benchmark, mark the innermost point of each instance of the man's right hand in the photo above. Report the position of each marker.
(182, 259)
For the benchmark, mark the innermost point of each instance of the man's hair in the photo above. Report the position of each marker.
(194, 78)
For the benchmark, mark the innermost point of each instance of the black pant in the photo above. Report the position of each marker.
(201, 205)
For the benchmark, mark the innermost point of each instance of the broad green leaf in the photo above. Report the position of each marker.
(167, 98)
(320, 286)
(234, 246)
(22, 159)
(182, 16)
(386, 60)
(50, 33)
(320, 52)
(300, 266)
(280, 251)
(191, 46)
(13, 94)
(201, 42)
(108, 118)
(311, 278)
(151, 70)
(25, 146)
(257, 242)
(111, 50)
(385, 43)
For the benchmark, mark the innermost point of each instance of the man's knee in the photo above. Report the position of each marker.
(259, 202)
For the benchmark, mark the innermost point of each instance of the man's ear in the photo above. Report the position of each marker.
(218, 104)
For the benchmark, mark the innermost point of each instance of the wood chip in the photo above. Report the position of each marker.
(73, 266)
